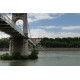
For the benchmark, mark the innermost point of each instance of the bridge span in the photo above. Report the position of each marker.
(19, 39)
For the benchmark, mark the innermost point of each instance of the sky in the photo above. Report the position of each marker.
(51, 25)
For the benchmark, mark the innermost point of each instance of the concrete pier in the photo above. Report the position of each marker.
(18, 44)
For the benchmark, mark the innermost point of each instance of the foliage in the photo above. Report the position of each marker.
(34, 54)
(60, 42)
(18, 56)
(4, 43)
(5, 56)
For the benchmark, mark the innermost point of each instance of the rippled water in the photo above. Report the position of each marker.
(48, 58)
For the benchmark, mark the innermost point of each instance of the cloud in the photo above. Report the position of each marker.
(43, 33)
(39, 33)
(59, 27)
(4, 35)
(71, 27)
(45, 27)
(41, 16)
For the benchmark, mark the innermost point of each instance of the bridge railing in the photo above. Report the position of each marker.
(11, 23)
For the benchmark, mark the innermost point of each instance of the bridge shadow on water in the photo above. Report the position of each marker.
(23, 63)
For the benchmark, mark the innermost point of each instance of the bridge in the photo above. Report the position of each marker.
(19, 39)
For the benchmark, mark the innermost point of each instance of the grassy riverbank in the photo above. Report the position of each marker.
(50, 49)
(18, 56)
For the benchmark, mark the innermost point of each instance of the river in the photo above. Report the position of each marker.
(47, 58)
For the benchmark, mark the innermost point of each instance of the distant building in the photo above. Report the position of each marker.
(36, 40)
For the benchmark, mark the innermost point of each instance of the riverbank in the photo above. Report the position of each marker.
(49, 49)
(4, 49)
(58, 49)
(19, 56)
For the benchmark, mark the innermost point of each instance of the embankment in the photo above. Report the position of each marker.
(48, 49)
(58, 49)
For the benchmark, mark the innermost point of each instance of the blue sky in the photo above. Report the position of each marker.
(53, 24)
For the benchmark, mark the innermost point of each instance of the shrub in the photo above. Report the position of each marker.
(5, 56)
(34, 54)
(16, 55)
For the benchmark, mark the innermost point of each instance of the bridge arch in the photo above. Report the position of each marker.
(22, 16)
(19, 23)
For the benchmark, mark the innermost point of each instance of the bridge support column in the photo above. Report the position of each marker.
(19, 45)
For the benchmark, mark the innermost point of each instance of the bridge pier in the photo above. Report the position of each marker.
(19, 45)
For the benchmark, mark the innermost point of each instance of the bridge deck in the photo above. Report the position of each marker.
(7, 26)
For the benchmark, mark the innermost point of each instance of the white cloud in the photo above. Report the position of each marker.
(59, 27)
(71, 27)
(3, 35)
(40, 16)
(67, 34)
(46, 27)
(43, 33)
(39, 33)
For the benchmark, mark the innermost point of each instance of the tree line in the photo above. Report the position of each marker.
(60, 42)
(4, 43)
(50, 42)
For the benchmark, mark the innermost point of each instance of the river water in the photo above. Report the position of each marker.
(47, 58)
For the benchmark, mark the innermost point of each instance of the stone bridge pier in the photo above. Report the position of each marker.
(19, 45)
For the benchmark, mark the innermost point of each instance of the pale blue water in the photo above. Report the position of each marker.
(48, 58)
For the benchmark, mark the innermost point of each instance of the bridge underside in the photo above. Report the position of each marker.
(9, 30)
(5, 27)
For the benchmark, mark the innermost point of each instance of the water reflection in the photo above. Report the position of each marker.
(17, 63)
(22, 62)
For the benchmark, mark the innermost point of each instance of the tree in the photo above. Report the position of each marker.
(60, 42)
